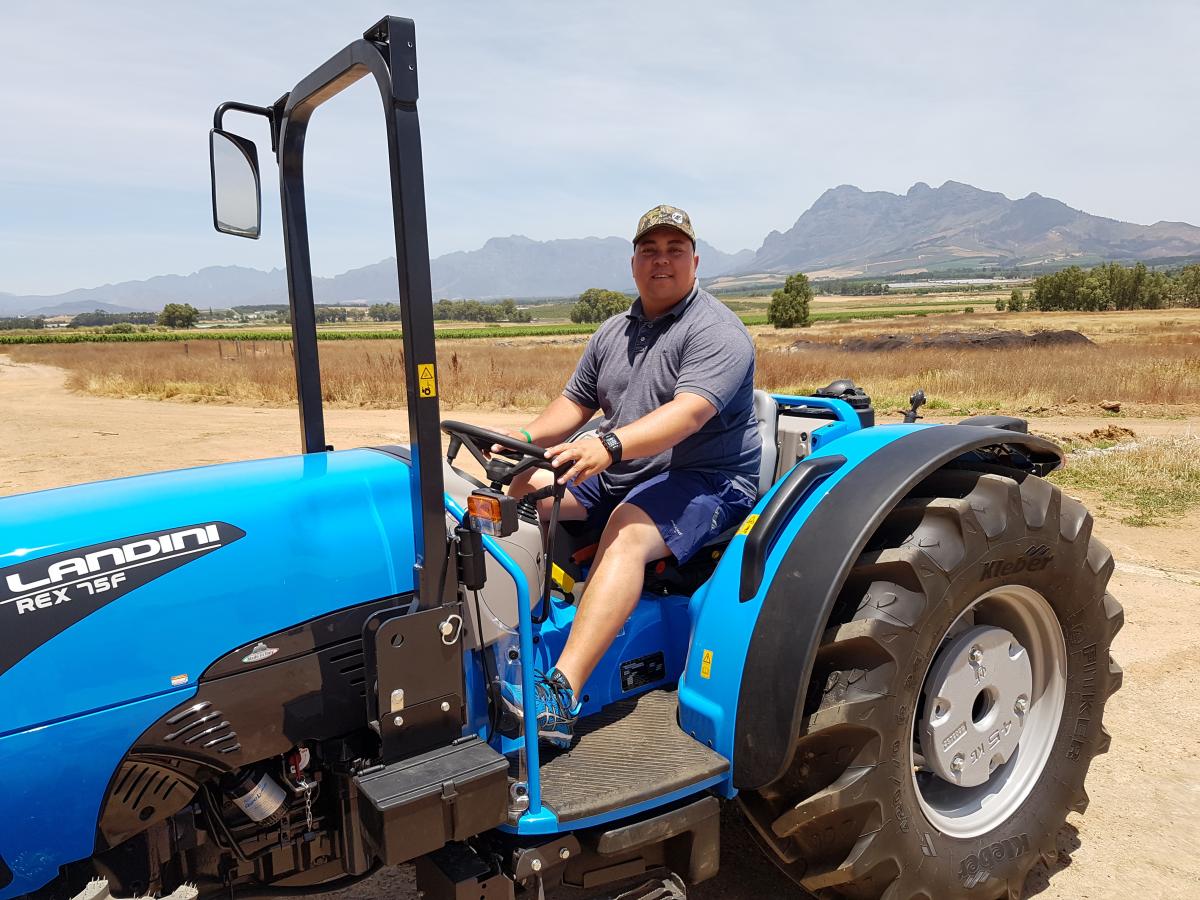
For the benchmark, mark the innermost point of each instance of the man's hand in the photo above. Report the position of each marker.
(590, 457)
(516, 435)
(557, 422)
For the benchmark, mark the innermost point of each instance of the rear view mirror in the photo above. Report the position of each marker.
(236, 196)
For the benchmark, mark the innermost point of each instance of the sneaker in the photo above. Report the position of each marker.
(557, 708)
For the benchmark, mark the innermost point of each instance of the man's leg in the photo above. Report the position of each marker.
(556, 703)
(614, 586)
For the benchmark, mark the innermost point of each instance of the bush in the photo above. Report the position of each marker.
(598, 304)
(179, 315)
(120, 328)
(790, 304)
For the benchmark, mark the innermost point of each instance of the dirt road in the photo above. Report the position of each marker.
(1139, 837)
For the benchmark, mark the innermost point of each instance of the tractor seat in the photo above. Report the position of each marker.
(766, 412)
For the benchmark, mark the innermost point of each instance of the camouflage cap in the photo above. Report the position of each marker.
(668, 216)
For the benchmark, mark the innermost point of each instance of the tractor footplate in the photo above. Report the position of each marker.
(630, 752)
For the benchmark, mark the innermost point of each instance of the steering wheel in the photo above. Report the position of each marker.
(479, 442)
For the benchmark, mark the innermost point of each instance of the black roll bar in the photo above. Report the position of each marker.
(387, 52)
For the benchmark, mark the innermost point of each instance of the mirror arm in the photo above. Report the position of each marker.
(267, 112)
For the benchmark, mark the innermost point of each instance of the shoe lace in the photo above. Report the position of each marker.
(548, 686)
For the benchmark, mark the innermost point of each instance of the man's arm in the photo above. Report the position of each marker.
(663, 428)
(569, 410)
(558, 421)
(658, 430)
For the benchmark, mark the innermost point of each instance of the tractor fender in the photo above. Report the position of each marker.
(753, 648)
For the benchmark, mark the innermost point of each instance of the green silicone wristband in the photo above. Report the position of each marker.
(528, 436)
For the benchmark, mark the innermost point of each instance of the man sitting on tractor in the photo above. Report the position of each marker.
(676, 459)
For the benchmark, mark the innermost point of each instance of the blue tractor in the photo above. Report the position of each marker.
(273, 677)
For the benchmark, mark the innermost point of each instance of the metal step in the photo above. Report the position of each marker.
(631, 752)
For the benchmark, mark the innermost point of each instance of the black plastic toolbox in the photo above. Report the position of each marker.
(415, 806)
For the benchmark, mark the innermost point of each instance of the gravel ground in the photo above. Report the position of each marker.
(1139, 835)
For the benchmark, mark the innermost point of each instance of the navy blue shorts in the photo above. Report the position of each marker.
(690, 508)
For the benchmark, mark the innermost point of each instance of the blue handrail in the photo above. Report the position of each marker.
(840, 408)
(525, 637)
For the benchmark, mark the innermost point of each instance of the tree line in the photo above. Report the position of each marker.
(458, 311)
(173, 315)
(789, 306)
(100, 318)
(1111, 287)
(852, 288)
(8, 323)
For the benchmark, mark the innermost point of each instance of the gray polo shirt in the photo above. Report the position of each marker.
(633, 365)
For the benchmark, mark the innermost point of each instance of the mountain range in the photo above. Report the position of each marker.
(846, 232)
(504, 267)
(878, 233)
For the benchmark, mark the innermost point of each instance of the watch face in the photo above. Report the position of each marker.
(612, 444)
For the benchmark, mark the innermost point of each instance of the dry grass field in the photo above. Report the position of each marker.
(1147, 361)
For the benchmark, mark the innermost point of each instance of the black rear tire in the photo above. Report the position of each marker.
(847, 820)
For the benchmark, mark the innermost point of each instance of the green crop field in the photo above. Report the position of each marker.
(323, 334)
(750, 313)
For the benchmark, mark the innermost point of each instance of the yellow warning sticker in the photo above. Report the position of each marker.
(426, 380)
(748, 524)
(561, 578)
(706, 664)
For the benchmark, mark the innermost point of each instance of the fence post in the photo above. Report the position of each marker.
(185, 348)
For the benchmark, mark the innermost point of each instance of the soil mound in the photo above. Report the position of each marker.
(966, 340)
(1099, 436)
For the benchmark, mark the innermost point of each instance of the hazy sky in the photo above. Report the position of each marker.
(555, 119)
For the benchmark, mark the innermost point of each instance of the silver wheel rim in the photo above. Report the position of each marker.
(1010, 613)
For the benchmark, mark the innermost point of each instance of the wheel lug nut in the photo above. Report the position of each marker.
(976, 655)
(1021, 705)
(958, 762)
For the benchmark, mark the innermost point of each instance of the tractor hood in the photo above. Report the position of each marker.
(119, 590)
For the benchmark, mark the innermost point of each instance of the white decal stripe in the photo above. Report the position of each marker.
(95, 575)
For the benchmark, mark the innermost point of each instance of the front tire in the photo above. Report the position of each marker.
(956, 699)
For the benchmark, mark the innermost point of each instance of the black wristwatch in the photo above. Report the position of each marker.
(612, 444)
